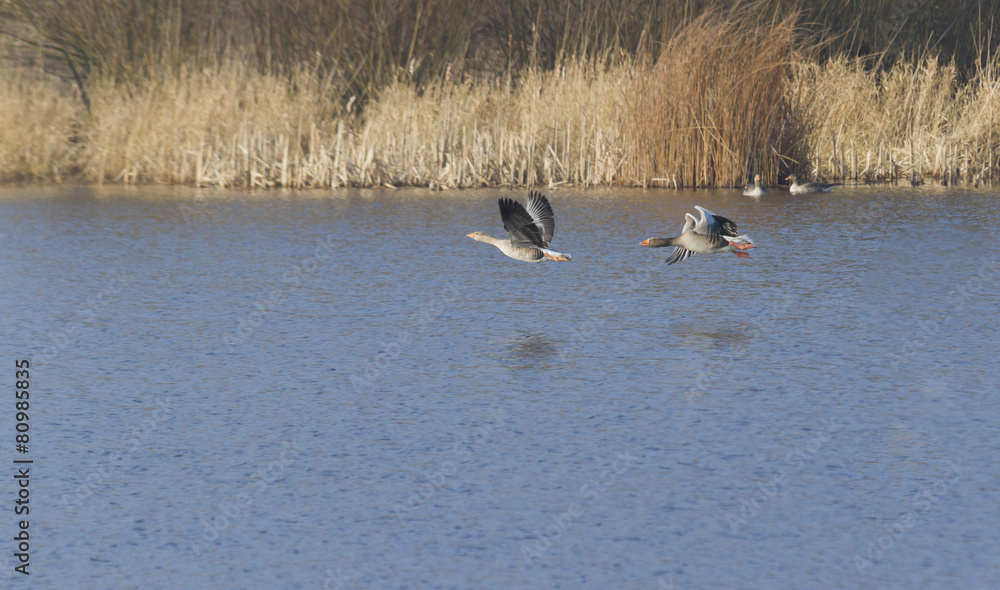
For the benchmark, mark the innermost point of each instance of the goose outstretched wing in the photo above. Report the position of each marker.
(520, 225)
(541, 213)
(712, 224)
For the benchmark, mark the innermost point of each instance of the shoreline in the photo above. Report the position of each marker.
(935, 183)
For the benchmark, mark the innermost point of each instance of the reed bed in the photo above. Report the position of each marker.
(909, 123)
(729, 96)
(233, 127)
(712, 110)
(228, 126)
(38, 126)
(867, 125)
(973, 145)
(554, 127)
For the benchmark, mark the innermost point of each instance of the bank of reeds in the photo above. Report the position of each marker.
(729, 96)
(39, 119)
(234, 127)
(713, 109)
(553, 127)
(226, 126)
(913, 121)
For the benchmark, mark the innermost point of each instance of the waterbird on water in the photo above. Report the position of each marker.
(809, 187)
(712, 234)
(755, 189)
(530, 230)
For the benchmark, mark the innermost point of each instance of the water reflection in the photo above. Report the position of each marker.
(724, 335)
(525, 350)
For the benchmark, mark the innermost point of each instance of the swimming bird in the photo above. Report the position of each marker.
(712, 234)
(755, 189)
(809, 187)
(530, 230)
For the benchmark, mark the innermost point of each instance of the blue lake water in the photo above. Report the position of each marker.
(340, 390)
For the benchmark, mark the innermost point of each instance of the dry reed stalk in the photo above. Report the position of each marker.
(712, 109)
(450, 146)
(912, 110)
(38, 122)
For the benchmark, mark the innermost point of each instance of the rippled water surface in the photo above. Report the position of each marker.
(341, 390)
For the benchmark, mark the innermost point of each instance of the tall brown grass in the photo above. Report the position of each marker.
(914, 120)
(359, 46)
(713, 109)
(39, 120)
(356, 47)
(730, 95)
(227, 126)
(978, 129)
(130, 41)
(557, 126)
(366, 45)
(235, 127)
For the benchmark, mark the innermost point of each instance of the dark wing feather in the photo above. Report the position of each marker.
(541, 213)
(714, 224)
(520, 225)
(679, 254)
(728, 226)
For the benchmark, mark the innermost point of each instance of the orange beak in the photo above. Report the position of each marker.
(469, 235)
(644, 243)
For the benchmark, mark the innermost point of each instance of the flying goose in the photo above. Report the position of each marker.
(755, 189)
(712, 234)
(809, 187)
(530, 230)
